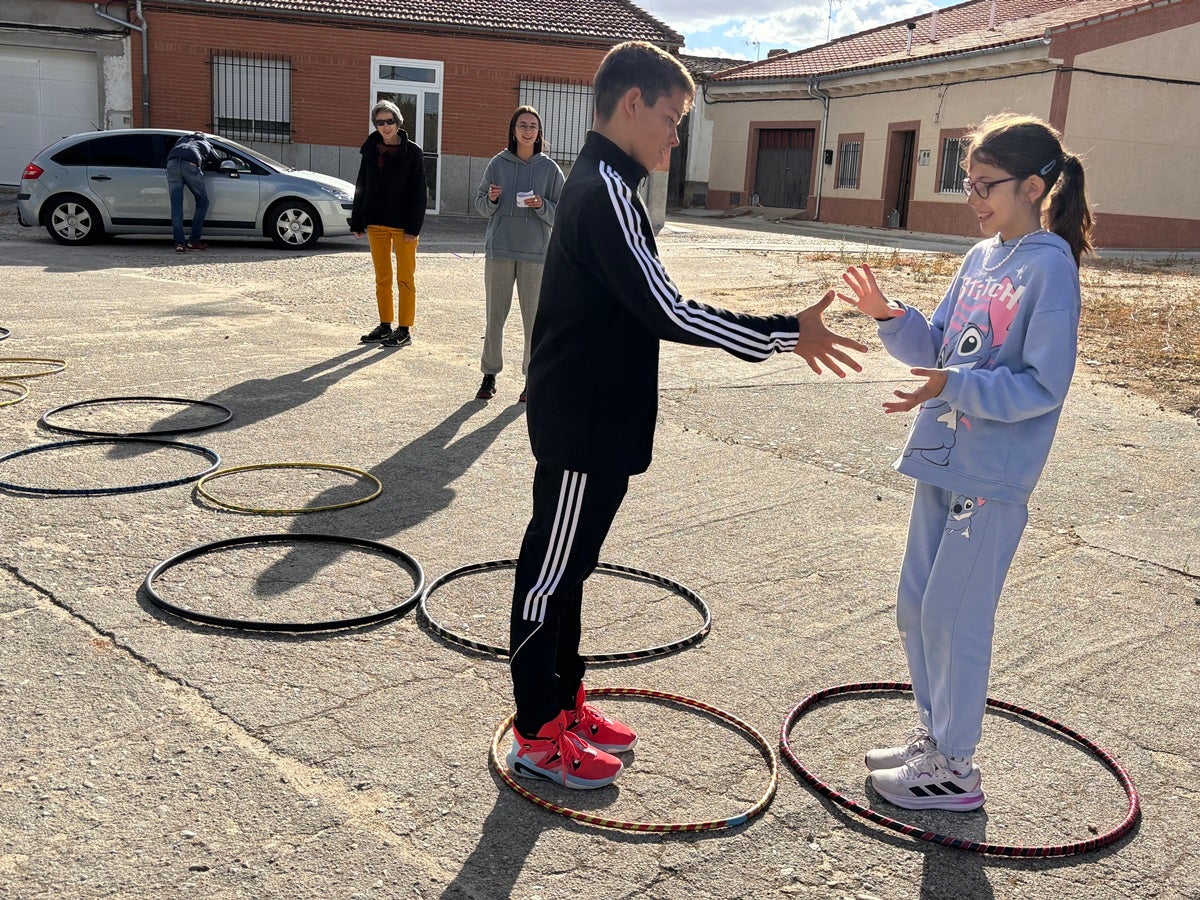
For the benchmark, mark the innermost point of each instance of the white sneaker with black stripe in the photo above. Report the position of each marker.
(928, 782)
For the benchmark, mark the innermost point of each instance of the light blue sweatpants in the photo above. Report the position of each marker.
(958, 554)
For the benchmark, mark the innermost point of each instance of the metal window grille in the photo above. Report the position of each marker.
(951, 176)
(252, 96)
(849, 154)
(566, 110)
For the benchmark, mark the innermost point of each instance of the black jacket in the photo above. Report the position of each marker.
(395, 195)
(605, 304)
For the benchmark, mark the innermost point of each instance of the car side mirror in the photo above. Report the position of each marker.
(230, 168)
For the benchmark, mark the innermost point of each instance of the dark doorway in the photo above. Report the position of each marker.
(677, 176)
(898, 178)
(784, 167)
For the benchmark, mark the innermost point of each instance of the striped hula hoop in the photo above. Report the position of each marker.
(1132, 814)
(497, 757)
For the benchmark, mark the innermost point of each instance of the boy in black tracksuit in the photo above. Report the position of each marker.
(605, 304)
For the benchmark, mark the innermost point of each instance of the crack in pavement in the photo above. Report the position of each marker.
(359, 808)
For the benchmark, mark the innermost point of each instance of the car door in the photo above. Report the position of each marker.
(126, 175)
(233, 193)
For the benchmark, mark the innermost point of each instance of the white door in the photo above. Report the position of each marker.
(47, 95)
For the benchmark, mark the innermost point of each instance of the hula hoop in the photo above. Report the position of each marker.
(44, 421)
(686, 593)
(4, 333)
(1131, 816)
(126, 489)
(649, 827)
(268, 511)
(60, 363)
(4, 382)
(402, 558)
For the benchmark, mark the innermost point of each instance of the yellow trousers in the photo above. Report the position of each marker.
(386, 242)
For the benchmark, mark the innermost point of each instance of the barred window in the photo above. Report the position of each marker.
(951, 176)
(566, 110)
(849, 161)
(252, 97)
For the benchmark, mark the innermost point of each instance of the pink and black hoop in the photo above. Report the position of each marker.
(1132, 814)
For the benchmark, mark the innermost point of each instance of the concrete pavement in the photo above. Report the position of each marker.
(148, 757)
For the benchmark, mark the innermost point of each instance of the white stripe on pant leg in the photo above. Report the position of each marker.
(560, 550)
(566, 517)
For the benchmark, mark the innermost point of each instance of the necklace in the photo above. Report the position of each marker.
(992, 268)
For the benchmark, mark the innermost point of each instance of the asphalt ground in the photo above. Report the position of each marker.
(147, 756)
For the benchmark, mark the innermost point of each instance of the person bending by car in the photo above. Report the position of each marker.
(185, 168)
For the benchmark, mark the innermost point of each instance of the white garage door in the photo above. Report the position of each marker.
(47, 95)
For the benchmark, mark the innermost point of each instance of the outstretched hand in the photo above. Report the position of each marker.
(868, 299)
(935, 383)
(820, 346)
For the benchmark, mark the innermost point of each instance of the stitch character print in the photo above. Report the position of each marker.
(980, 322)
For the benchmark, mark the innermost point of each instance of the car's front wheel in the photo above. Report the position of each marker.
(72, 220)
(293, 225)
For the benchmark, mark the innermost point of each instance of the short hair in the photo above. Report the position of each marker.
(512, 129)
(389, 106)
(641, 65)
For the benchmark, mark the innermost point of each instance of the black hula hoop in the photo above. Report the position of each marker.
(4, 333)
(5, 383)
(402, 558)
(1131, 816)
(211, 455)
(59, 365)
(44, 421)
(649, 827)
(283, 511)
(686, 593)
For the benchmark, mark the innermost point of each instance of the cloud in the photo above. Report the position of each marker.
(783, 23)
(716, 51)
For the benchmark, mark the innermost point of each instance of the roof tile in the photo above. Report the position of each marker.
(956, 29)
(606, 20)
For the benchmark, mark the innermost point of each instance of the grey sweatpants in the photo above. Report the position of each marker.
(498, 277)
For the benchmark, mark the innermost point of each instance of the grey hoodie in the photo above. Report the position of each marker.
(518, 232)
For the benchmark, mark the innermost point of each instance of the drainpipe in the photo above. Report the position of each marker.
(816, 92)
(141, 29)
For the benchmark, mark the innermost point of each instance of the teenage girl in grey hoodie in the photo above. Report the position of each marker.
(519, 194)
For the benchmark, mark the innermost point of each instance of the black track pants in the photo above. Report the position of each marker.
(572, 512)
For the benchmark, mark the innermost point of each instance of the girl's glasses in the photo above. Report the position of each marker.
(983, 188)
(524, 127)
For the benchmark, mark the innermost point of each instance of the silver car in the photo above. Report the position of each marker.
(114, 182)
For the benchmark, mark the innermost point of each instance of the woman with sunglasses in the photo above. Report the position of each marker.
(994, 364)
(389, 207)
(519, 195)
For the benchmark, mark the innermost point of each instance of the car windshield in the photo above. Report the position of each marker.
(254, 154)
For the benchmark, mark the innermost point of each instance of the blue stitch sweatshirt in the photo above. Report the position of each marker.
(1009, 338)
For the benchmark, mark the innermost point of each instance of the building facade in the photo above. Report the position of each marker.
(867, 130)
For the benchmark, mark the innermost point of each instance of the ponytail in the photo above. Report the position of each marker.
(1027, 146)
(1068, 214)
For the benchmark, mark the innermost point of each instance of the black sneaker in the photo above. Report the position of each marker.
(487, 390)
(381, 331)
(398, 338)
(524, 395)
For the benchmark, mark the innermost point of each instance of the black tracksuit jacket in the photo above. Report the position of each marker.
(394, 196)
(606, 302)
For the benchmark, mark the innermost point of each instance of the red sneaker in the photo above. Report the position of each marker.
(603, 733)
(558, 755)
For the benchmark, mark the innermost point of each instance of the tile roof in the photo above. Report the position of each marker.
(708, 65)
(954, 30)
(605, 20)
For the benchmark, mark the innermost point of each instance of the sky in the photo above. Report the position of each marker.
(711, 29)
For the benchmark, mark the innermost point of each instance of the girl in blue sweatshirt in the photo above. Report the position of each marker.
(995, 363)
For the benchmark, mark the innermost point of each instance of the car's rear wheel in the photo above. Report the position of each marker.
(72, 220)
(293, 225)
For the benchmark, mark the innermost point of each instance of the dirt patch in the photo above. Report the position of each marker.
(1140, 326)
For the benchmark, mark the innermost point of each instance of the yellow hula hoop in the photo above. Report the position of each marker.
(268, 511)
(5, 383)
(60, 363)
